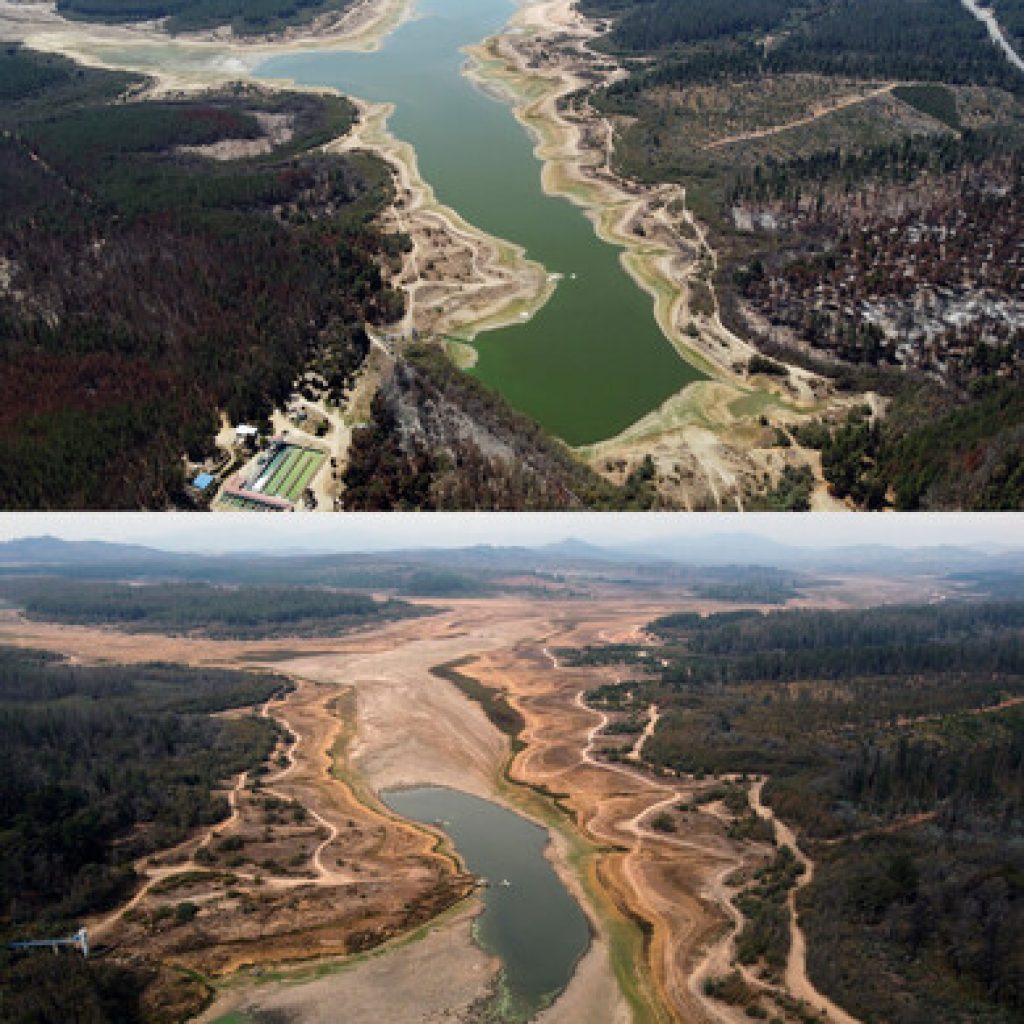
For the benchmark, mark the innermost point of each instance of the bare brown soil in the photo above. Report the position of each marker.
(301, 867)
(309, 865)
(670, 881)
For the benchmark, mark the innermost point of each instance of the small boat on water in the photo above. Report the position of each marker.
(505, 883)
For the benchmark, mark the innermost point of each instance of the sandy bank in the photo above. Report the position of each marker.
(197, 59)
(676, 882)
(417, 992)
(409, 727)
(457, 279)
(715, 453)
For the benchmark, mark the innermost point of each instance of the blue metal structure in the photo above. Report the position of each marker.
(79, 939)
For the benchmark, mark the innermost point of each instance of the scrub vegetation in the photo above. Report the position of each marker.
(929, 452)
(494, 703)
(100, 766)
(893, 740)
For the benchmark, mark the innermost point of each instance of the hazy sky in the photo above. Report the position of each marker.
(356, 531)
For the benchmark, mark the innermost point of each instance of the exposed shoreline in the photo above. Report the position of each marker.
(364, 719)
(660, 243)
(458, 280)
(483, 283)
(679, 883)
(478, 282)
(591, 991)
(448, 741)
(363, 26)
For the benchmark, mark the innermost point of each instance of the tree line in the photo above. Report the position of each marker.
(245, 612)
(100, 766)
(91, 753)
(911, 40)
(890, 744)
(813, 629)
(246, 17)
(152, 288)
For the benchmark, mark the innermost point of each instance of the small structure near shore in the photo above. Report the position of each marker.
(79, 939)
(279, 479)
(246, 436)
(202, 482)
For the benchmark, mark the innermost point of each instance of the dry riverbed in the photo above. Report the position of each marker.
(311, 891)
(309, 866)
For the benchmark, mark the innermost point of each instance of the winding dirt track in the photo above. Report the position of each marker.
(799, 985)
(663, 796)
(688, 954)
(652, 723)
(824, 111)
(155, 872)
(325, 876)
(675, 881)
(410, 728)
(102, 927)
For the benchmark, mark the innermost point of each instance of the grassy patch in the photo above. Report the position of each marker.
(494, 703)
(934, 100)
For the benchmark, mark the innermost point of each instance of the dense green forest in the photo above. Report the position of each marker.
(793, 645)
(98, 767)
(931, 40)
(893, 739)
(472, 450)
(246, 17)
(148, 286)
(743, 632)
(1010, 15)
(244, 613)
(655, 24)
(744, 583)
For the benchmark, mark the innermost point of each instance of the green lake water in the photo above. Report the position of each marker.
(533, 924)
(593, 359)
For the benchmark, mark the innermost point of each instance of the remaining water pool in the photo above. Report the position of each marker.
(530, 921)
(593, 360)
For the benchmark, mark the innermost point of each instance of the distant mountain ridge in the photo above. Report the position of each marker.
(749, 549)
(49, 550)
(738, 549)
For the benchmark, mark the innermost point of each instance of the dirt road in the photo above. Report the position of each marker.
(320, 868)
(816, 115)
